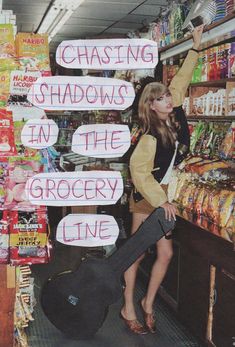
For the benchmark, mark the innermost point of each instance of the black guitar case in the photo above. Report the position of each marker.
(77, 302)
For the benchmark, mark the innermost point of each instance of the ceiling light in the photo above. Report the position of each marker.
(58, 13)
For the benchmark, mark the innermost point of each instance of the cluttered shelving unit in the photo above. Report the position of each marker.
(200, 283)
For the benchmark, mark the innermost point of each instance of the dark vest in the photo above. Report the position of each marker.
(164, 154)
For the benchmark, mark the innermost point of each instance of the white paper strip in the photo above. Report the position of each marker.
(101, 140)
(81, 93)
(26, 112)
(112, 54)
(75, 188)
(87, 230)
(39, 133)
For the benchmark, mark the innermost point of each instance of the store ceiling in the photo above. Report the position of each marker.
(93, 18)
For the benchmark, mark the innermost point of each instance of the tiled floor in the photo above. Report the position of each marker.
(113, 333)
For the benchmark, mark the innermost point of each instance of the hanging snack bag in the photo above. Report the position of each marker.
(4, 87)
(4, 237)
(7, 143)
(7, 47)
(33, 52)
(28, 237)
(20, 169)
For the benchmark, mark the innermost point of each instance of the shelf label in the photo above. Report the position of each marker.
(87, 230)
(39, 134)
(108, 54)
(101, 140)
(79, 188)
(81, 93)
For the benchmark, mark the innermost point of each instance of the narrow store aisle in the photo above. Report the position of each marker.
(41, 333)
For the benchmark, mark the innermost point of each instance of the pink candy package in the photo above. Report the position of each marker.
(7, 143)
(20, 169)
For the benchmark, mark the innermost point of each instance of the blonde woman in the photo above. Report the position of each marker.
(165, 133)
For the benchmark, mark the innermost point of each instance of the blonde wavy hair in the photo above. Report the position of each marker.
(149, 120)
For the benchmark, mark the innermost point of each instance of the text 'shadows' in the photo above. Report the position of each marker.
(81, 93)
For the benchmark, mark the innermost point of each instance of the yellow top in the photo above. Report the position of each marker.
(142, 159)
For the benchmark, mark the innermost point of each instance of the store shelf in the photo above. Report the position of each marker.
(217, 32)
(211, 118)
(221, 82)
(209, 27)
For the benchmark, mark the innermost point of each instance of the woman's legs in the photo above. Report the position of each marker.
(164, 255)
(128, 310)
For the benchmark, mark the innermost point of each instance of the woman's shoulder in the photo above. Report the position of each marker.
(147, 138)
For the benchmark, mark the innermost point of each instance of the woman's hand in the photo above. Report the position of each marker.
(170, 211)
(197, 36)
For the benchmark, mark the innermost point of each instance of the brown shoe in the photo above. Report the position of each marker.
(149, 319)
(134, 325)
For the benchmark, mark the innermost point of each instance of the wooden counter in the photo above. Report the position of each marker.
(200, 283)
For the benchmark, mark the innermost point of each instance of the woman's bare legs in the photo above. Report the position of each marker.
(128, 310)
(160, 266)
(164, 255)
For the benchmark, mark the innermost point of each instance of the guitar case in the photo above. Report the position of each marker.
(77, 302)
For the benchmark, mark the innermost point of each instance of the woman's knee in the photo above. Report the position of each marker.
(165, 255)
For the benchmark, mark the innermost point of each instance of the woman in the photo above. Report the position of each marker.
(164, 129)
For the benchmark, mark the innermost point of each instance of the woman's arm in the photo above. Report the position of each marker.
(180, 82)
(141, 167)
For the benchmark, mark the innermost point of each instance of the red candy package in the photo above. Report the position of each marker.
(7, 143)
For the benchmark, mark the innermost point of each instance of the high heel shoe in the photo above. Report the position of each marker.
(149, 318)
(134, 325)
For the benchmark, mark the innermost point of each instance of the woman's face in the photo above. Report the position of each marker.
(162, 106)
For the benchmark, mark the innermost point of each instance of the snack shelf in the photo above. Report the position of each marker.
(207, 29)
(221, 82)
(211, 118)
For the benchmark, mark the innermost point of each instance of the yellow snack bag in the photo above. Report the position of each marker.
(4, 87)
(226, 206)
(33, 52)
(7, 47)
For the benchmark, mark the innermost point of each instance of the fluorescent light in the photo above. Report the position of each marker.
(212, 35)
(57, 15)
